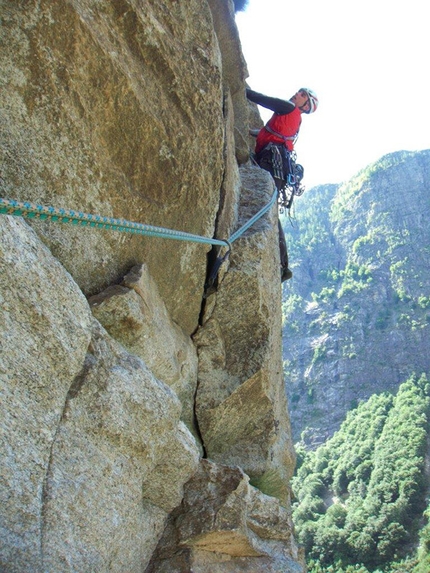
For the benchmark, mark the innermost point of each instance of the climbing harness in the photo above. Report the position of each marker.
(286, 138)
(277, 161)
(281, 163)
(287, 174)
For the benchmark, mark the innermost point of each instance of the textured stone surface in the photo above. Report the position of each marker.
(91, 95)
(136, 110)
(134, 314)
(117, 466)
(241, 403)
(44, 339)
(226, 525)
(244, 429)
(234, 71)
(230, 189)
(91, 442)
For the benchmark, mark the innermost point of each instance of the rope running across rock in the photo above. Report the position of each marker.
(34, 211)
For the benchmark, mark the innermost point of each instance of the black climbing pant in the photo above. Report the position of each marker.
(282, 246)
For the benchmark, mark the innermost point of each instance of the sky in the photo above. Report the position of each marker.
(367, 60)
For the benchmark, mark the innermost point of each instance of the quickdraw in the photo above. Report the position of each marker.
(292, 178)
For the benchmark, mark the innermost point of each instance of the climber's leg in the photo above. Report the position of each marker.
(286, 273)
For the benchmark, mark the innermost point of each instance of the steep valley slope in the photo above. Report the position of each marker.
(357, 311)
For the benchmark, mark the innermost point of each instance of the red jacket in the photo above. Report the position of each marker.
(286, 124)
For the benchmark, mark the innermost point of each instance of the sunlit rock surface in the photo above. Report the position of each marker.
(225, 525)
(135, 401)
(91, 441)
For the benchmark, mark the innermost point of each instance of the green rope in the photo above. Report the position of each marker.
(255, 218)
(33, 211)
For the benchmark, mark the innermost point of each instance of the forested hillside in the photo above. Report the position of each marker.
(357, 311)
(361, 497)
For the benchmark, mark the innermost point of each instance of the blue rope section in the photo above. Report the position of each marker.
(34, 211)
(255, 218)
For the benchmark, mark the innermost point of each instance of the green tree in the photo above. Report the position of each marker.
(360, 497)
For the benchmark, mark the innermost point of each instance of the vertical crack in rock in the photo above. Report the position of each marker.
(74, 390)
(196, 423)
(210, 291)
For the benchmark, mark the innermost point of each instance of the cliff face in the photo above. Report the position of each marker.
(144, 427)
(356, 315)
(117, 109)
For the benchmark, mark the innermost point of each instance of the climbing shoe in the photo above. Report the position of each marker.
(286, 274)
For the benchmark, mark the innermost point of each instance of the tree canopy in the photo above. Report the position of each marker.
(361, 497)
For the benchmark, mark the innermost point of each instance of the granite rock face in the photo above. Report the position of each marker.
(135, 314)
(45, 335)
(92, 442)
(116, 108)
(240, 400)
(143, 418)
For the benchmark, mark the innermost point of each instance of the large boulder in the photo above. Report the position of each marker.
(225, 525)
(117, 466)
(135, 315)
(91, 442)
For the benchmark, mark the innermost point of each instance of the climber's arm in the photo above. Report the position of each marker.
(279, 106)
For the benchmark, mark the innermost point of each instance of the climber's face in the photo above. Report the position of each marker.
(301, 100)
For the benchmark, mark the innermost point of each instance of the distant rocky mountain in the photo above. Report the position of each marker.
(357, 311)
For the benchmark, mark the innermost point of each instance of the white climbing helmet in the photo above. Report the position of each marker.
(313, 100)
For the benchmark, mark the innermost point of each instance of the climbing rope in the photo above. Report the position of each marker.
(253, 219)
(34, 211)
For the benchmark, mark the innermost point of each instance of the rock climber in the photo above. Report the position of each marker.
(276, 139)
